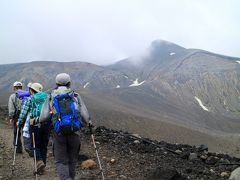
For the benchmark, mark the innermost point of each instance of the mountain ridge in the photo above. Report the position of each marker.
(192, 88)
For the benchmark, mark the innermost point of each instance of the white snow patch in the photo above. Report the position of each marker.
(136, 83)
(172, 53)
(201, 104)
(118, 86)
(238, 62)
(126, 77)
(86, 85)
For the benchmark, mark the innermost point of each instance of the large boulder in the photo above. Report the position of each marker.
(235, 175)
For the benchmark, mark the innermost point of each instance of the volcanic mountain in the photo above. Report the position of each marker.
(173, 93)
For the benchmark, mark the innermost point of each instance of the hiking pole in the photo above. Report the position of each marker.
(34, 152)
(15, 147)
(95, 147)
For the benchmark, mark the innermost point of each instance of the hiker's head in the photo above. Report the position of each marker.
(63, 79)
(17, 85)
(35, 87)
(29, 84)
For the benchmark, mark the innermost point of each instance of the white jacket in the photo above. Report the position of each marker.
(12, 105)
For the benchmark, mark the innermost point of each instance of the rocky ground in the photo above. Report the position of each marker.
(123, 156)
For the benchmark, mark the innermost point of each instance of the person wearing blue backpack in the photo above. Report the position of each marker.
(67, 112)
(39, 131)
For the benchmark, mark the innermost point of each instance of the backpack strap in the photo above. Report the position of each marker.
(16, 105)
(76, 96)
(56, 107)
(72, 105)
(32, 106)
(51, 103)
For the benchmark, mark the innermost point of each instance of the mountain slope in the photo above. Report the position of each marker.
(123, 156)
(188, 90)
(45, 72)
(195, 81)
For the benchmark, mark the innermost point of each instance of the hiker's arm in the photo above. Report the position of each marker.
(11, 107)
(84, 112)
(24, 112)
(45, 112)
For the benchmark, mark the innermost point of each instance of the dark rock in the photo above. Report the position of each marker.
(193, 157)
(164, 174)
(202, 147)
(212, 160)
(224, 161)
(82, 157)
(188, 170)
(184, 155)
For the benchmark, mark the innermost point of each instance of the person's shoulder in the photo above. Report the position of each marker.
(13, 95)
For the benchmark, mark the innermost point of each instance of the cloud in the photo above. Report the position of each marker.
(104, 31)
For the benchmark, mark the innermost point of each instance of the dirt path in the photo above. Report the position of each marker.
(24, 166)
(123, 157)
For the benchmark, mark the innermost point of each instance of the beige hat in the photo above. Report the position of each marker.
(29, 84)
(36, 87)
(17, 84)
(63, 79)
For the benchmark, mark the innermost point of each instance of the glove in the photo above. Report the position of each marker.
(32, 122)
(18, 125)
(92, 128)
(90, 124)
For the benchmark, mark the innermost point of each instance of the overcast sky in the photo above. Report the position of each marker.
(104, 31)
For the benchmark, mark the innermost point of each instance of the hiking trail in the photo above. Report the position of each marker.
(123, 156)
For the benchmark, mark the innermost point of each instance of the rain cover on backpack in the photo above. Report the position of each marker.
(37, 102)
(21, 96)
(67, 119)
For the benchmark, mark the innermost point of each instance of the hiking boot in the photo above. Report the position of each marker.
(30, 152)
(38, 173)
(41, 172)
(40, 166)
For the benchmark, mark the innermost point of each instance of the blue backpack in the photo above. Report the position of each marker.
(66, 119)
(21, 97)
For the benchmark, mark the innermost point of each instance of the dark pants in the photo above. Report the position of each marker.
(66, 150)
(27, 143)
(41, 135)
(19, 142)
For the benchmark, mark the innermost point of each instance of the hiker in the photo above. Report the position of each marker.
(66, 110)
(14, 110)
(41, 131)
(27, 141)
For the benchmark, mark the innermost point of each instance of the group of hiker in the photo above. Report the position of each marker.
(36, 115)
